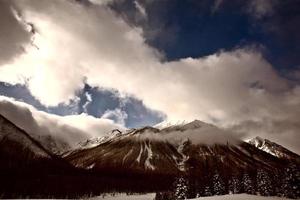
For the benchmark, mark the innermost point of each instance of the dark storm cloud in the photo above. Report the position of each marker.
(13, 36)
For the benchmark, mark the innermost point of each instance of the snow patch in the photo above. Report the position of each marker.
(91, 166)
(148, 164)
(138, 159)
(131, 150)
(181, 164)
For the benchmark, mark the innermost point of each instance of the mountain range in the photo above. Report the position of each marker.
(152, 159)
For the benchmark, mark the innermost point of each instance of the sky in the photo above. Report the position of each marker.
(79, 68)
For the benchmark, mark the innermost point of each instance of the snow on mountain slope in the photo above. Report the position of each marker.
(166, 123)
(198, 132)
(89, 143)
(273, 148)
(169, 150)
(127, 153)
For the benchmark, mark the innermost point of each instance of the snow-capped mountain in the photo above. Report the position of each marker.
(172, 149)
(273, 148)
(129, 151)
(89, 143)
(144, 159)
(194, 154)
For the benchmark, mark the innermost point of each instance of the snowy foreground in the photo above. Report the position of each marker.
(223, 197)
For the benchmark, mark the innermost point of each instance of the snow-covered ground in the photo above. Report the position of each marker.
(122, 196)
(152, 196)
(240, 197)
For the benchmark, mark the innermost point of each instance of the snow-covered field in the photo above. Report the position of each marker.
(152, 195)
(240, 197)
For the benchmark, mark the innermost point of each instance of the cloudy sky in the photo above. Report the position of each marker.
(83, 67)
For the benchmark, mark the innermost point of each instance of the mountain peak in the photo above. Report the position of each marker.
(273, 148)
(196, 124)
(181, 125)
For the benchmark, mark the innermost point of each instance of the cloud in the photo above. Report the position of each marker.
(261, 8)
(101, 2)
(66, 131)
(217, 4)
(141, 9)
(92, 43)
(117, 115)
(13, 35)
(200, 133)
(89, 99)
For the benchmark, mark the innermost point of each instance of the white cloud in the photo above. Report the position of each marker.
(64, 129)
(77, 42)
(13, 35)
(261, 8)
(141, 9)
(101, 2)
(117, 115)
(88, 101)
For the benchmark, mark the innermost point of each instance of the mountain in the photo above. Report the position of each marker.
(129, 151)
(208, 160)
(55, 145)
(96, 141)
(27, 169)
(274, 149)
(170, 149)
(17, 148)
(197, 156)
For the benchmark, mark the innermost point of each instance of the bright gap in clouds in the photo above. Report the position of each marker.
(77, 44)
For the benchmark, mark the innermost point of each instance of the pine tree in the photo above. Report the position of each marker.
(234, 185)
(291, 182)
(264, 185)
(248, 184)
(277, 182)
(218, 184)
(207, 191)
(181, 188)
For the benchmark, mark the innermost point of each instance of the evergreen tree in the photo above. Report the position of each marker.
(218, 184)
(181, 188)
(234, 185)
(264, 185)
(193, 180)
(277, 182)
(291, 182)
(207, 191)
(248, 184)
